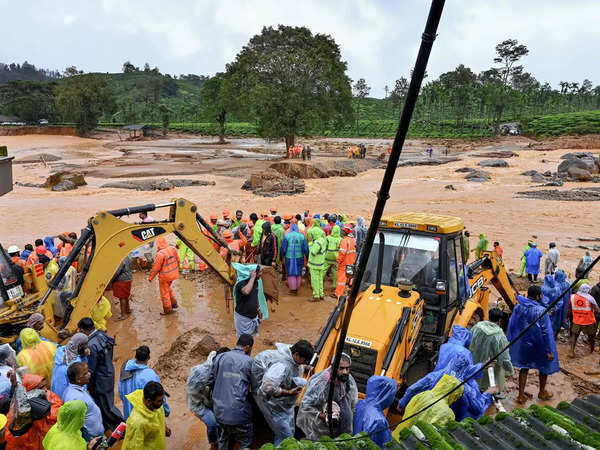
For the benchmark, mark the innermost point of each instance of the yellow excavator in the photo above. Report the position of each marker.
(104, 242)
(415, 288)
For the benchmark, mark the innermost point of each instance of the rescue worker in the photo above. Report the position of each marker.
(488, 339)
(301, 225)
(294, 249)
(27, 250)
(533, 256)
(15, 255)
(66, 432)
(550, 292)
(146, 425)
(562, 307)
(66, 244)
(135, 374)
(314, 232)
(198, 395)
(40, 249)
(100, 313)
(368, 416)
(316, 264)
(238, 244)
(214, 218)
(582, 307)
(166, 266)
(278, 230)
(239, 215)
(523, 259)
(231, 372)
(258, 223)
(346, 256)
(226, 218)
(36, 321)
(585, 261)
(333, 246)
(49, 244)
(360, 233)
(536, 349)
(102, 381)
(481, 246)
(65, 290)
(552, 258)
(498, 249)
(276, 378)
(312, 415)
(440, 413)
(308, 152)
(121, 285)
(458, 343)
(38, 355)
(186, 256)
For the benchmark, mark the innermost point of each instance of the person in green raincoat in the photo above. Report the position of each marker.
(481, 246)
(279, 232)
(257, 233)
(440, 413)
(185, 254)
(65, 434)
(331, 254)
(316, 264)
(523, 259)
(314, 232)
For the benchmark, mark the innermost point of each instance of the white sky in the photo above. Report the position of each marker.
(378, 38)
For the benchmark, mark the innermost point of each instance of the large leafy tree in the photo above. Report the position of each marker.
(508, 52)
(83, 99)
(360, 90)
(291, 81)
(29, 100)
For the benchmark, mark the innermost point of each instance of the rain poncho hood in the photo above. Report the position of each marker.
(29, 338)
(457, 344)
(35, 319)
(243, 273)
(161, 243)
(336, 232)
(360, 222)
(533, 256)
(49, 244)
(488, 340)
(368, 415)
(440, 413)
(549, 290)
(135, 376)
(584, 291)
(145, 428)
(66, 433)
(72, 348)
(530, 351)
(197, 392)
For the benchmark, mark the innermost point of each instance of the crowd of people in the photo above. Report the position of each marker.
(299, 151)
(357, 151)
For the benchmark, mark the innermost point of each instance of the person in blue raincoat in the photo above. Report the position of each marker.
(550, 292)
(76, 350)
(457, 344)
(561, 308)
(537, 348)
(368, 413)
(49, 244)
(533, 258)
(473, 403)
(135, 374)
(294, 248)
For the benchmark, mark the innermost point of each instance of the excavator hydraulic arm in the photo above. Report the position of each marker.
(111, 239)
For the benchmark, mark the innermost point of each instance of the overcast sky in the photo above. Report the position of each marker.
(378, 38)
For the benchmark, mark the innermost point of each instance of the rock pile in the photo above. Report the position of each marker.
(156, 185)
(579, 166)
(494, 162)
(270, 183)
(65, 181)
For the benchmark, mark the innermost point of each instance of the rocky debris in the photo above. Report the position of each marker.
(34, 185)
(271, 183)
(529, 173)
(450, 187)
(156, 185)
(66, 185)
(75, 177)
(579, 166)
(426, 161)
(478, 176)
(494, 162)
(38, 158)
(465, 170)
(572, 195)
(547, 178)
(169, 363)
(206, 345)
(336, 168)
(496, 154)
(299, 169)
(556, 183)
(578, 174)
(588, 239)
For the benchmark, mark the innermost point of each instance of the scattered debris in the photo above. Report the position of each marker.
(66, 185)
(478, 176)
(465, 170)
(156, 185)
(495, 162)
(496, 154)
(572, 195)
(450, 187)
(75, 177)
(38, 158)
(271, 183)
(425, 161)
(588, 239)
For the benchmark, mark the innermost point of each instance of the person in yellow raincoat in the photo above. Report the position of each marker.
(100, 313)
(38, 355)
(146, 427)
(65, 434)
(440, 413)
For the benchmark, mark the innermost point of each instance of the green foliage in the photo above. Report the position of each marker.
(433, 437)
(83, 99)
(583, 122)
(343, 442)
(29, 100)
(580, 433)
(290, 81)
(405, 433)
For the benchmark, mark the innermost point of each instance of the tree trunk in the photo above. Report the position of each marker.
(222, 132)
(289, 142)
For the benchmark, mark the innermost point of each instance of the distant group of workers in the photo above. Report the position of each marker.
(357, 151)
(299, 151)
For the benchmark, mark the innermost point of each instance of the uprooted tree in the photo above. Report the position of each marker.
(291, 81)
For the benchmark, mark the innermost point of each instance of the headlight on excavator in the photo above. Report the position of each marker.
(440, 287)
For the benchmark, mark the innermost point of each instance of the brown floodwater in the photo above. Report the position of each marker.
(491, 208)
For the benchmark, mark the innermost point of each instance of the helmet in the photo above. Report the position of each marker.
(347, 228)
(214, 217)
(225, 213)
(13, 249)
(227, 234)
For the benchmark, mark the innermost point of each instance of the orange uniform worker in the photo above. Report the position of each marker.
(498, 249)
(40, 249)
(234, 244)
(346, 255)
(166, 266)
(15, 255)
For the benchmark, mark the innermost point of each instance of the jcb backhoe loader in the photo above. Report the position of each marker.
(414, 290)
(104, 242)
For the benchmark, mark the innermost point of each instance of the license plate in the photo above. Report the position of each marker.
(16, 292)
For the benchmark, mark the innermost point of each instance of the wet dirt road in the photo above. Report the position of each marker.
(490, 208)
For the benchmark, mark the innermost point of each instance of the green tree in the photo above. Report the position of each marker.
(165, 117)
(214, 105)
(508, 52)
(360, 90)
(290, 81)
(398, 94)
(29, 100)
(129, 68)
(83, 99)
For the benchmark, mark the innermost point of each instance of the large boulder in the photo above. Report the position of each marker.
(299, 169)
(579, 174)
(271, 183)
(426, 161)
(582, 160)
(493, 162)
(496, 154)
(75, 177)
(65, 185)
(478, 176)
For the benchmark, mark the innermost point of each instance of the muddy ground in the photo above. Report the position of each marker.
(491, 207)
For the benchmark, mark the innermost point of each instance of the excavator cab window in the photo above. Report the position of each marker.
(11, 281)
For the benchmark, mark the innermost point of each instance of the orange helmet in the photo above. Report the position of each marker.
(227, 235)
(214, 217)
(225, 213)
(347, 228)
(273, 210)
(264, 214)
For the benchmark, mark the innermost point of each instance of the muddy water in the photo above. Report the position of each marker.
(490, 208)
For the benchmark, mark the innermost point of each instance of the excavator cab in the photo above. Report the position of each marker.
(11, 279)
